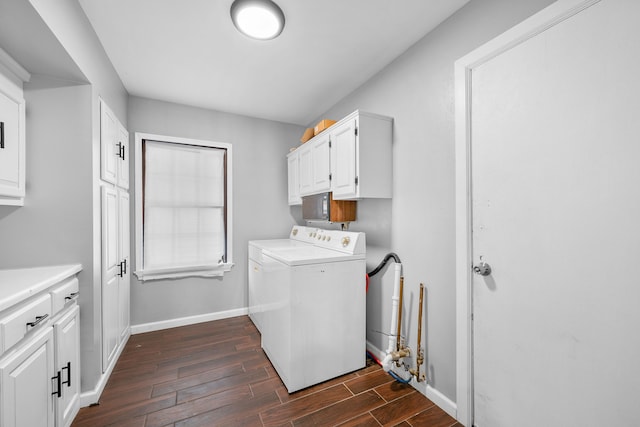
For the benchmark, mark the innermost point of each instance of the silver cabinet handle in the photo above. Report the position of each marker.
(38, 320)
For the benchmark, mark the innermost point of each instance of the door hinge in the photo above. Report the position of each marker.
(356, 180)
(356, 130)
(330, 176)
(329, 142)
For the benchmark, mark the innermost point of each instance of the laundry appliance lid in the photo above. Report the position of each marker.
(309, 255)
(277, 243)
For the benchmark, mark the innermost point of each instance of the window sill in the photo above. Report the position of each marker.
(178, 273)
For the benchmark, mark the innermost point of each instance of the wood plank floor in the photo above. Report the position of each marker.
(216, 374)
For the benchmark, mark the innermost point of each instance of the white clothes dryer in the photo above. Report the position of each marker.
(313, 320)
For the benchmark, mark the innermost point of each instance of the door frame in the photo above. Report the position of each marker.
(536, 24)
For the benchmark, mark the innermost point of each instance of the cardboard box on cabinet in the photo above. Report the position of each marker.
(322, 125)
(308, 134)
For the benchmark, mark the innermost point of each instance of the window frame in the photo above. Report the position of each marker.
(175, 273)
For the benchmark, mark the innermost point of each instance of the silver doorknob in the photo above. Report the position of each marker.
(483, 269)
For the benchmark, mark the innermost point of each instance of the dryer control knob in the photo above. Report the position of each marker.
(328, 238)
(345, 241)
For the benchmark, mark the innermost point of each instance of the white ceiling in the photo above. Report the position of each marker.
(189, 52)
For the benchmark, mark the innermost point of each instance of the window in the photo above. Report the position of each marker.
(183, 207)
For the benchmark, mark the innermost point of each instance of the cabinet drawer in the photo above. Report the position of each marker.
(64, 292)
(15, 325)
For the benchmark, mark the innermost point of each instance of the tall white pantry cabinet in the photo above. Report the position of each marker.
(116, 262)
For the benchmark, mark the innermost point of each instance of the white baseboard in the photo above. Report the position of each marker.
(430, 393)
(190, 320)
(90, 397)
(446, 404)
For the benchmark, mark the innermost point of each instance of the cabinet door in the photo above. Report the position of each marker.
(111, 269)
(293, 172)
(12, 152)
(124, 257)
(321, 164)
(67, 348)
(27, 384)
(109, 152)
(123, 159)
(305, 166)
(343, 160)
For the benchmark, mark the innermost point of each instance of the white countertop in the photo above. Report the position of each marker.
(19, 284)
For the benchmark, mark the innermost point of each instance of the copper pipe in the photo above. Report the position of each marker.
(420, 356)
(400, 313)
(420, 316)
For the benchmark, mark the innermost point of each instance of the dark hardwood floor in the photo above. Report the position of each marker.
(216, 374)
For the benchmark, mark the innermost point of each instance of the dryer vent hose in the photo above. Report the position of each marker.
(386, 259)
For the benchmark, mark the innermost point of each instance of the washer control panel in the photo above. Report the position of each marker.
(344, 241)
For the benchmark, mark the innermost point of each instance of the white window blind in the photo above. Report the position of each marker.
(184, 212)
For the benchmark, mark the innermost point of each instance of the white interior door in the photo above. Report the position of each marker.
(555, 143)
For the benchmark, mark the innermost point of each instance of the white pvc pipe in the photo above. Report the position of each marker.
(388, 359)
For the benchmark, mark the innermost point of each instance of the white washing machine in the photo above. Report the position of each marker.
(313, 313)
(256, 273)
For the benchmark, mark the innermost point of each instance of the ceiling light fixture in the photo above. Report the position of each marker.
(258, 19)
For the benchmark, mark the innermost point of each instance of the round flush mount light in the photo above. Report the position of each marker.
(258, 19)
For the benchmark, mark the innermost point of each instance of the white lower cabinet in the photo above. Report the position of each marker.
(27, 382)
(40, 372)
(67, 339)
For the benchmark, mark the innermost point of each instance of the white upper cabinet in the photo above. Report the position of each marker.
(305, 170)
(321, 159)
(314, 167)
(294, 178)
(12, 131)
(114, 148)
(361, 157)
(123, 163)
(343, 159)
(352, 159)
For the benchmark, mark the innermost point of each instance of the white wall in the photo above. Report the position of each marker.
(260, 209)
(417, 91)
(68, 23)
(55, 224)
